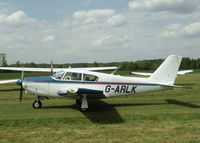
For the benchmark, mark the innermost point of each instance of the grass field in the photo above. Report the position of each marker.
(167, 116)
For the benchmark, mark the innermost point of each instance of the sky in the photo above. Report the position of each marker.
(79, 31)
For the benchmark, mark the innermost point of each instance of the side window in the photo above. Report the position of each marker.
(89, 77)
(72, 76)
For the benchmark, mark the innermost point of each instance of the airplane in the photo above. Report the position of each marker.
(83, 84)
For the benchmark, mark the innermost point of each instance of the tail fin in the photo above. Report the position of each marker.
(167, 71)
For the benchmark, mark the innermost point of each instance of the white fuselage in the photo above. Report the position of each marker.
(110, 85)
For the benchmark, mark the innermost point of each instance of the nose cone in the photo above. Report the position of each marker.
(19, 82)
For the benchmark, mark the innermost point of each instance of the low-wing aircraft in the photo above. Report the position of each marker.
(83, 84)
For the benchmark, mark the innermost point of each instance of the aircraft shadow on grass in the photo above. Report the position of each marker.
(5, 90)
(101, 112)
(105, 113)
(181, 103)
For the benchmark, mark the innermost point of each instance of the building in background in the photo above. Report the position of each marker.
(3, 59)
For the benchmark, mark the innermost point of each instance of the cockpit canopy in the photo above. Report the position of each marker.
(58, 74)
(62, 75)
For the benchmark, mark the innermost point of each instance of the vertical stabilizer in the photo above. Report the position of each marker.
(167, 71)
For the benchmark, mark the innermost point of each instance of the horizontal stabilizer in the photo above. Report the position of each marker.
(183, 72)
(174, 86)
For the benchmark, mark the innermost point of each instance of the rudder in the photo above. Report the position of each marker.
(167, 71)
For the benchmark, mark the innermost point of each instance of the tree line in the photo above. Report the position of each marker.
(187, 63)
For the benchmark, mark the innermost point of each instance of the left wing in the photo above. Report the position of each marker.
(54, 69)
(8, 81)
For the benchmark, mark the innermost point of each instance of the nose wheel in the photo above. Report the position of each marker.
(37, 104)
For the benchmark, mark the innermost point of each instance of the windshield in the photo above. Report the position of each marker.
(58, 75)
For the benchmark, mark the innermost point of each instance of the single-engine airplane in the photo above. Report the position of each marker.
(84, 83)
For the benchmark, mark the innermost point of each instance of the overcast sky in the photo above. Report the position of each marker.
(98, 30)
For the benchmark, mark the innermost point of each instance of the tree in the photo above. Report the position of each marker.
(96, 64)
(18, 64)
(186, 63)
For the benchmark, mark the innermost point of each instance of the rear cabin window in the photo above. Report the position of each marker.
(72, 76)
(89, 77)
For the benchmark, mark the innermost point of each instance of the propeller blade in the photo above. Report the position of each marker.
(21, 93)
(20, 82)
(22, 76)
(51, 67)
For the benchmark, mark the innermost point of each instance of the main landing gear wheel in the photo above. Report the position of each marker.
(37, 104)
(84, 109)
(78, 101)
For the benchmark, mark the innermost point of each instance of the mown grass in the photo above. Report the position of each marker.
(166, 116)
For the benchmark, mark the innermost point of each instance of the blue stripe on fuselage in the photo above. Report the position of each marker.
(39, 79)
(51, 80)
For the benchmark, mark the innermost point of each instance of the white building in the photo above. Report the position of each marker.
(2, 59)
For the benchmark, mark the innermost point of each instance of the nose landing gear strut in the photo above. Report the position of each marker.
(37, 103)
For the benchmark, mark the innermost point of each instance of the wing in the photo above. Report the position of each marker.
(26, 69)
(54, 69)
(8, 81)
(97, 68)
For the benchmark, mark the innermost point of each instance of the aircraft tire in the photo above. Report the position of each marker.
(78, 101)
(37, 104)
(84, 109)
